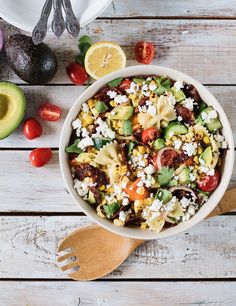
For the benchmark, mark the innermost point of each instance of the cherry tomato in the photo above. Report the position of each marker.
(149, 134)
(144, 52)
(77, 73)
(49, 112)
(208, 183)
(132, 191)
(40, 157)
(125, 84)
(32, 128)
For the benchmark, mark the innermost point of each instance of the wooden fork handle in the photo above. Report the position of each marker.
(227, 203)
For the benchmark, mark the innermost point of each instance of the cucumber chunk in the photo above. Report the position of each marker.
(158, 144)
(91, 198)
(163, 195)
(175, 128)
(214, 124)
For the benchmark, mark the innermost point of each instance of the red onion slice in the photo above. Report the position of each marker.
(173, 189)
(160, 154)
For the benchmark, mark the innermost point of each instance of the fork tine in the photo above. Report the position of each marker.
(66, 256)
(70, 265)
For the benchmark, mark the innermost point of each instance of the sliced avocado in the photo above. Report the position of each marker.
(214, 124)
(184, 176)
(175, 128)
(179, 94)
(163, 195)
(12, 108)
(127, 128)
(100, 107)
(207, 156)
(35, 64)
(158, 144)
(85, 157)
(91, 198)
(122, 112)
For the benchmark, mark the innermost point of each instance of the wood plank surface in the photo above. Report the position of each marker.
(24, 188)
(204, 49)
(208, 250)
(171, 8)
(65, 96)
(117, 294)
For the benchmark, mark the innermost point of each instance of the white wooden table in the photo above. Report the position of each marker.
(194, 268)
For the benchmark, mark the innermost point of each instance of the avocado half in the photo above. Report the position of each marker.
(12, 108)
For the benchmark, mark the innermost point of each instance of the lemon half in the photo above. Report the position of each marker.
(103, 58)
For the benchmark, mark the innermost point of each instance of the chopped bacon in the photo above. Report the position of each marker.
(183, 158)
(97, 194)
(186, 114)
(85, 170)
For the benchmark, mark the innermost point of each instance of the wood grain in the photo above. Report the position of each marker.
(171, 8)
(117, 294)
(65, 96)
(28, 189)
(28, 250)
(205, 50)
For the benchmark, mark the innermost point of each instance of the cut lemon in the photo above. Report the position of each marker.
(103, 58)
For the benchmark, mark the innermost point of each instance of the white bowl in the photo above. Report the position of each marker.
(25, 14)
(226, 171)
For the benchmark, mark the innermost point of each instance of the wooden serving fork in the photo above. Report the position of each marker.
(92, 247)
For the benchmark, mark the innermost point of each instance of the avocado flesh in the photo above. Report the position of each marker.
(12, 108)
(35, 64)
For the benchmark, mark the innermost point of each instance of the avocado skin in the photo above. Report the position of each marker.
(35, 64)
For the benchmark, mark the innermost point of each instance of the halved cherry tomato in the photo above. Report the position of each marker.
(149, 134)
(125, 84)
(77, 73)
(144, 52)
(32, 128)
(49, 112)
(132, 191)
(40, 157)
(208, 183)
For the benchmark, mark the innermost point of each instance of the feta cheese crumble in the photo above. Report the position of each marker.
(112, 94)
(121, 99)
(190, 148)
(206, 117)
(188, 103)
(178, 85)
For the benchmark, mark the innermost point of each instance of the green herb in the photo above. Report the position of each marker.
(132, 145)
(74, 147)
(111, 209)
(115, 82)
(85, 43)
(138, 80)
(100, 142)
(164, 176)
(163, 84)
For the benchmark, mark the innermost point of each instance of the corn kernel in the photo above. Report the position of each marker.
(118, 222)
(206, 140)
(199, 135)
(140, 190)
(90, 103)
(113, 103)
(119, 123)
(143, 225)
(141, 149)
(86, 119)
(135, 152)
(168, 142)
(196, 160)
(199, 150)
(173, 138)
(102, 187)
(196, 167)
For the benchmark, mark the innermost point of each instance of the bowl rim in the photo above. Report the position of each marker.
(30, 28)
(137, 233)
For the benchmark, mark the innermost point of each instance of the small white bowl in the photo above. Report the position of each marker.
(227, 169)
(25, 14)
